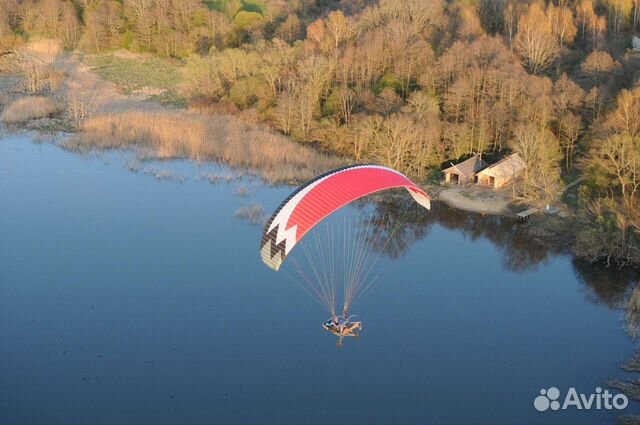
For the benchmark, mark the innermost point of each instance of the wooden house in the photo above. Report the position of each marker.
(502, 172)
(464, 172)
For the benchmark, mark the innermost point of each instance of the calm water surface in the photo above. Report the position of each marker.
(125, 299)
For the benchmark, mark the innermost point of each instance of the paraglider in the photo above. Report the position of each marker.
(308, 206)
(342, 327)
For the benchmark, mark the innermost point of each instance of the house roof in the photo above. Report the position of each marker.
(467, 168)
(506, 167)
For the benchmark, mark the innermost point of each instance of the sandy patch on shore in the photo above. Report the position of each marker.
(476, 199)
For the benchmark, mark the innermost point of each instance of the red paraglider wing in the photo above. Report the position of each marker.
(314, 201)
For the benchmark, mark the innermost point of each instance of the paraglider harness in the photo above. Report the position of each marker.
(342, 326)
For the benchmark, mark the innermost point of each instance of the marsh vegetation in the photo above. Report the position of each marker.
(222, 139)
(29, 108)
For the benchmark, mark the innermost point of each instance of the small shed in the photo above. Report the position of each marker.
(502, 172)
(635, 43)
(464, 172)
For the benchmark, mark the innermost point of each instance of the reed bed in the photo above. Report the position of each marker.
(253, 213)
(28, 108)
(180, 134)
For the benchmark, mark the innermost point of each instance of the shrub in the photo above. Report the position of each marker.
(247, 91)
(29, 108)
(247, 20)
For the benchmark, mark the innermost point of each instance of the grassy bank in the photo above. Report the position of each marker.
(134, 73)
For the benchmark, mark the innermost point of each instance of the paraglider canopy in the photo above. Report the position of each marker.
(317, 199)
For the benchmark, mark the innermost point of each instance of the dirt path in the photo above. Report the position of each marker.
(475, 199)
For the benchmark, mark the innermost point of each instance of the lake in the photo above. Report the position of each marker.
(130, 294)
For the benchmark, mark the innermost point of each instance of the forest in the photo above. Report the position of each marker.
(411, 84)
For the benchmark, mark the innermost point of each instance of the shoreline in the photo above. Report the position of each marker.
(557, 233)
(112, 119)
(92, 100)
(99, 115)
(108, 100)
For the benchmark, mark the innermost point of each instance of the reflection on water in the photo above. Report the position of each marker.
(632, 308)
(397, 220)
(608, 285)
(403, 223)
(400, 218)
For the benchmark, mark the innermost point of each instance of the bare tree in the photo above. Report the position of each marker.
(599, 64)
(619, 13)
(103, 25)
(338, 28)
(562, 24)
(539, 150)
(619, 157)
(535, 41)
(511, 18)
(291, 29)
(617, 151)
(404, 143)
